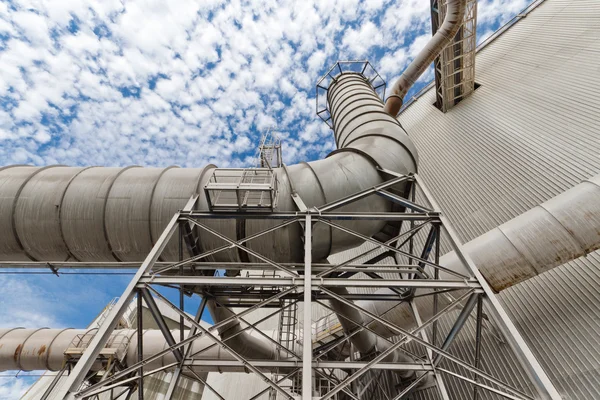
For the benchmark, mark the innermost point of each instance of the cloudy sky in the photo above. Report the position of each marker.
(160, 83)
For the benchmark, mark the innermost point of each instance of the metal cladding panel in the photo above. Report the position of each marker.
(82, 222)
(127, 215)
(174, 188)
(527, 134)
(38, 204)
(12, 181)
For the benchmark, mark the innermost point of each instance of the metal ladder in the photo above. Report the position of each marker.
(269, 151)
(286, 332)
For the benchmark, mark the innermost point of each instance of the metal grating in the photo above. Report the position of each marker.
(236, 189)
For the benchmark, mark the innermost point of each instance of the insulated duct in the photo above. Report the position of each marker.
(59, 213)
(44, 349)
(455, 10)
(562, 229)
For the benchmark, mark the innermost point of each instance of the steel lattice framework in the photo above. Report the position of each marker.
(320, 370)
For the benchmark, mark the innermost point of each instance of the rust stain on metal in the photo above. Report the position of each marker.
(17, 351)
(42, 350)
(515, 277)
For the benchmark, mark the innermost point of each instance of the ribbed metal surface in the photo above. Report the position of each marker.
(155, 387)
(527, 134)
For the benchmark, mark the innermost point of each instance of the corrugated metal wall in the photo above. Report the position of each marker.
(528, 133)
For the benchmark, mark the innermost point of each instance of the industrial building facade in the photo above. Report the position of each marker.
(528, 133)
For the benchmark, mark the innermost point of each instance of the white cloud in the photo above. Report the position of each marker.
(13, 388)
(79, 77)
(358, 42)
(24, 305)
(492, 11)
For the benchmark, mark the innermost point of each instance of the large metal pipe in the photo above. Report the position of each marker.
(103, 214)
(362, 129)
(62, 213)
(455, 10)
(107, 214)
(45, 349)
(367, 343)
(557, 231)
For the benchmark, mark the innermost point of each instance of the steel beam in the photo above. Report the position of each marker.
(340, 266)
(186, 350)
(478, 332)
(325, 282)
(542, 382)
(375, 216)
(140, 344)
(393, 249)
(246, 249)
(219, 249)
(273, 364)
(441, 386)
(411, 335)
(77, 375)
(403, 202)
(486, 387)
(362, 194)
(307, 333)
(228, 348)
(160, 321)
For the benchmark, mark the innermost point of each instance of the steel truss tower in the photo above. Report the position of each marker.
(332, 370)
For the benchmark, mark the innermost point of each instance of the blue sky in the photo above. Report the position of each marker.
(160, 83)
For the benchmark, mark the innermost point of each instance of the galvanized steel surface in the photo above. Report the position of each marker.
(529, 133)
(44, 349)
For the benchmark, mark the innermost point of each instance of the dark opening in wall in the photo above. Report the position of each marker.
(457, 95)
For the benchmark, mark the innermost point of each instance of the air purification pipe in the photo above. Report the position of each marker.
(557, 231)
(455, 10)
(45, 349)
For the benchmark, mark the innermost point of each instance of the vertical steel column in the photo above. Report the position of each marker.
(478, 342)
(186, 350)
(140, 344)
(441, 386)
(307, 337)
(181, 287)
(436, 277)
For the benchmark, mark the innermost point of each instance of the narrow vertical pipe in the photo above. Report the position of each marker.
(140, 345)
(307, 337)
(455, 10)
